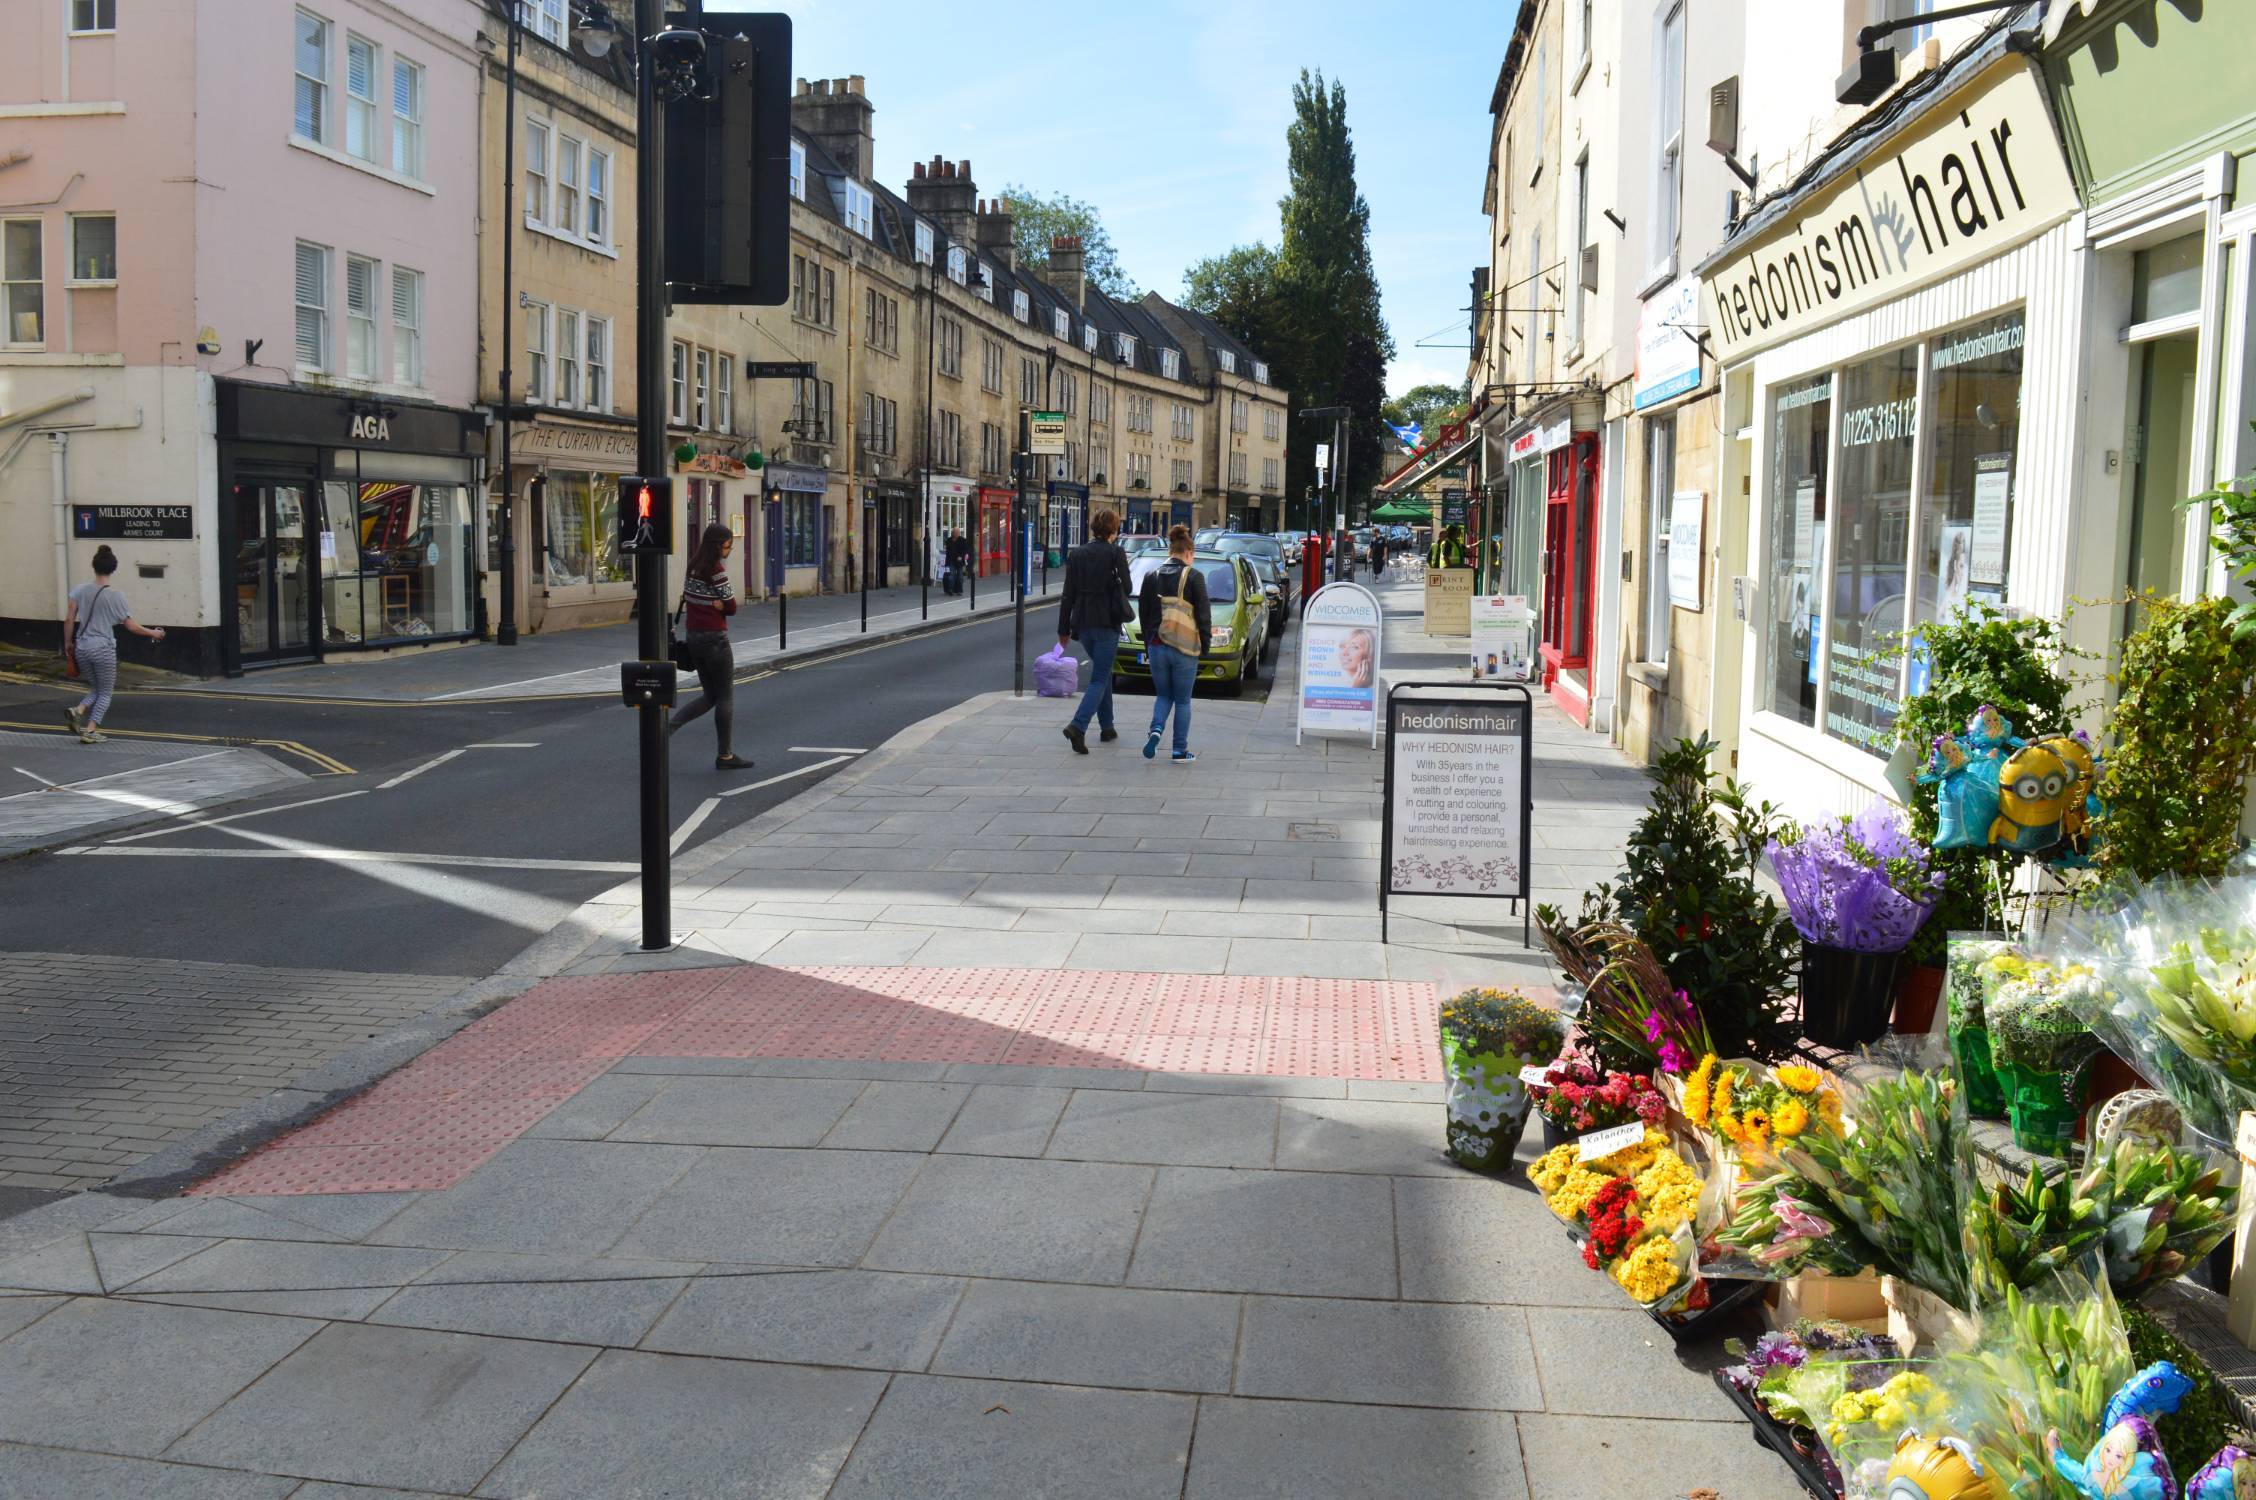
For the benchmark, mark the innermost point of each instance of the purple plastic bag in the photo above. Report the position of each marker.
(1057, 674)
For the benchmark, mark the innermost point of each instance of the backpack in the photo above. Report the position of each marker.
(1178, 622)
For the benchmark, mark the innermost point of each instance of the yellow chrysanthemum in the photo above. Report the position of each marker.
(1798, 1077)
(1649, 1271)
(1791, 1119)
(1829, 1109)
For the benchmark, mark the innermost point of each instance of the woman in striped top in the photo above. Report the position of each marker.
(707, 602)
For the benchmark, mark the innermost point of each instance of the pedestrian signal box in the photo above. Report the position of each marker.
(646, 514)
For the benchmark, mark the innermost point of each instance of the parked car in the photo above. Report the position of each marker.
(1143, 546)
(1268, 556)
(1294, 541)
(1241, 623)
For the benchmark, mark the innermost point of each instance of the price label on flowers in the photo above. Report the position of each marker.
(1456, 796)
(1536, 1077)
(1606, 1142)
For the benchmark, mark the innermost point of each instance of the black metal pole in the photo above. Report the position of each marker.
(650, 459)
(506, 633)
(866, 516)
(1019, 464)
(924, 502)
(783, 617)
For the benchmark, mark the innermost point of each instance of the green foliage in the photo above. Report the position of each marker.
(2207, 1419)
(2184, 743)
(1427, 405)
(1689, 893)
(1038, 216)
(1238, 289)
(2232, 530)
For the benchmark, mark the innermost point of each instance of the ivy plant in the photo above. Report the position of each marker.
(2232, 531)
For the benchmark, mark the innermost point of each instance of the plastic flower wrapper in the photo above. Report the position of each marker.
(1859, 883)
(2179, 1002)
(1969, 978)
(1779, 1227)
(1568, 1183)
(2161, 1208)
(2036, 1016)
(1657, 1273)
(1861, 1359)
(1857, 1404)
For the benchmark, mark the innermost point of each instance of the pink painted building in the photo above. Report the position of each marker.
(238, 314)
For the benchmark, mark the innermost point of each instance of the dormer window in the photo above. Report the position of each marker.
(858, 207)
(1124, 348)
(1089, 337)
(1227, 360)
(923, 243)
(986, 284)
(1171, 364)
(798, 171)
(1022, 308)
(1260, 373)
(1061, 323)
(956, 263)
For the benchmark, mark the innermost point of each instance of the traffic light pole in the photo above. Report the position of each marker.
(650, 459)
(1021, 461)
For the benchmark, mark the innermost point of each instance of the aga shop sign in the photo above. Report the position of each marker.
(1458, 792)
(134, 523)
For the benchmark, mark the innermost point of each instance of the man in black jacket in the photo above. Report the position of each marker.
(1092, 610)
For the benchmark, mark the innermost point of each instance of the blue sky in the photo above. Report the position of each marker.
(1184, 151)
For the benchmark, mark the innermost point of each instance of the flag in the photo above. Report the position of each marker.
(1409, 433)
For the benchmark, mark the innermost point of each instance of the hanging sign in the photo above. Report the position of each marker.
(1668, 351)
(1045, 433)
(1340, 643)
(1459, 779)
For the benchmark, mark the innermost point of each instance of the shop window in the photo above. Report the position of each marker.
(802, 530)
(1966, 511)
(1801, 417)
(1660, 486)
(578, 545)
(2166, 281)
(1871, 549)
(413, 545)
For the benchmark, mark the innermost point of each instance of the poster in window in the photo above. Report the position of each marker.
(1687, 508)
(1807, 538)
(1958, 556)
(1993, 491)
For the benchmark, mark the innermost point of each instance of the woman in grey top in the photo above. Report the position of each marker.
(90, 644)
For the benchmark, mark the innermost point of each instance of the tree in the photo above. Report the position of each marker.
(1428, 406)
(1039, 216)
(1238, 289)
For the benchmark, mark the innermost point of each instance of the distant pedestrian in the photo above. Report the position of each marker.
(958, 557)
(1378, 558)
(1178, 626)
(1091, 611)
(707, 602)
(90, 623)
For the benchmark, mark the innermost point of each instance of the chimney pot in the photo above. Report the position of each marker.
(920, 171)
(838, 85)
(854, 83)
(963, 168)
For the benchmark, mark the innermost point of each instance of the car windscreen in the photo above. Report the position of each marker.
(1221, 577)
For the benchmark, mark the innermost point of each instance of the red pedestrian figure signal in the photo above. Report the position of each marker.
(646, 514)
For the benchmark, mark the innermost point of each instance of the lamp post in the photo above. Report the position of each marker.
(505, 634)
(1338, 414)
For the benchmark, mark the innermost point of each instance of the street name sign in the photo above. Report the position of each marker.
(778, 369)
(145, 523)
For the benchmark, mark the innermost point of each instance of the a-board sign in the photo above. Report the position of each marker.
(1503, 631)
(1340, 643)
(175, 523)
(1459, 786)
(1449, 601)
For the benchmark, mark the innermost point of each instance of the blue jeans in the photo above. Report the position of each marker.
(1096, 698)
(1172, 675)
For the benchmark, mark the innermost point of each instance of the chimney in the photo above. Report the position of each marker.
(942, 191)
(835, 113)
(995, 232)
(1065, 269)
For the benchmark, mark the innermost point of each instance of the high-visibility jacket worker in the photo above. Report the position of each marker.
(1448, 551)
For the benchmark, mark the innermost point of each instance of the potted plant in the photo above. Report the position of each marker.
(1578, 1098)
(1857, 890)
(1487, 1037)
(2042, 1047)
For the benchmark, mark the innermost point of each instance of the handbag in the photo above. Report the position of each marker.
(1178, 622)
(70, 647)
(1123, 608)
(677, 645)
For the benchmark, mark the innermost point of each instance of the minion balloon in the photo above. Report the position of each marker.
(1936, 1469)
(2037, 786)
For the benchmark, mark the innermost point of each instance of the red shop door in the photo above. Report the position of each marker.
(994, 534)
(1570, 574)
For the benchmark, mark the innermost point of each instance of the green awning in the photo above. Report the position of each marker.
(1403, 510)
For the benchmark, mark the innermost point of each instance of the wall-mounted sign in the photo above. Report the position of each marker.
(545, 439)
(1668, 356)
(1976, 174)
(139, 523)
(716, 463)
(1537, 441)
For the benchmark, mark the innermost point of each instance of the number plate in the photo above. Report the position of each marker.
(1143, 658)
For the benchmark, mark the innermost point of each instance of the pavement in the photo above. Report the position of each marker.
(992, 1173)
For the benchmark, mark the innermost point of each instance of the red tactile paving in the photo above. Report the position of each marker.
(451, 1109)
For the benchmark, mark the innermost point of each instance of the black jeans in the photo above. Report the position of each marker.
(716, 675)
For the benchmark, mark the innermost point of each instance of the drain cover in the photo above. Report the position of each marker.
(1314, 833)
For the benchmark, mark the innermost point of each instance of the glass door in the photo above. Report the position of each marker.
(274, 582)
(1569, 562)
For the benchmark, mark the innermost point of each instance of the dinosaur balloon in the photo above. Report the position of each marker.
(2231, 1475)
(2127, 1463)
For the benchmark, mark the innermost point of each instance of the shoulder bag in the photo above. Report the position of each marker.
(677, 645)
(1178, 622)
(70, 647)
(1123, 607)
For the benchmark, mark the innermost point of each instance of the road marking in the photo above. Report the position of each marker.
(827, 750)
(691, 823)
(328, 855)
(507, 745)
(327, 765)
(78, 788)
(158, 833)
(52, 786)
(406, 776)
(738, 791)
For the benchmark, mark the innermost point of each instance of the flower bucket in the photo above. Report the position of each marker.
(2045, 1108)
(1555, 1135)
(1985, 1095)
(1917, 992)
(1488, 1106)
(1846, 995)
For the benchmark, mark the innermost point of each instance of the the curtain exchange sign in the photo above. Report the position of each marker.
(1976, 175)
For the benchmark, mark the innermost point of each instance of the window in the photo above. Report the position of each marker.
(1100, 402)
(1179, 476)
(1668, 143)
(536, 172)
(1541, 111)
(948, 351)
(1269, 480)
(1863, 671)
(802, 530)
(1089, 337)
(1260, 373)
(991, 366)
(1272, 422)
(1182, 422)
(827, 310)
(677, 385)
(1578, 295)
(1171, 364)
(536, 352)
(1029, 382)
(1227, 360)
(312, 117)
(544, 17)
(1061, 322)
(799, 171)
(407, 326)
(947, 450)
(1124, 347)
(1100, 463)
(1966, 510)
(1801, 416)
(23, 291)
(990, 448)
(701, 395)
(1660, 493)
(360, 317)
(598, 197)
(1237, 471)
(986, 286)
(882, 316)
(881, 423)
(568, 184)
(599, 364)
(1021, 308)
(93, 15)
(407, 118)
(360, 97)
(923, 243)
(313, 306)
(724, 393)
(956, 264)
(1066, 389)
(858, 209)
(1240, 414)
(93, 259)
(826, 413)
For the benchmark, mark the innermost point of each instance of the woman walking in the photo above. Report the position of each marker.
(90, 644)
(707, 602)
(1178, 626)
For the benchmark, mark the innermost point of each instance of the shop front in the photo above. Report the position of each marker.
(1555, 525)
(947, 513)
(565, 471)
(719, 489)
(795, 533)
(895, 542)
(344, 523)
(992, 541)
(1916, 422)
(1066, 506)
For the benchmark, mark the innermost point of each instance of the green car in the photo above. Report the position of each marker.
(1241, 623)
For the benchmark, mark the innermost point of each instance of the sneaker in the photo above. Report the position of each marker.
(92, 737)
(1109, 735)
(1182, 756)
(731, 763)
(1151, 746)
(75, 717)
(1077, 740)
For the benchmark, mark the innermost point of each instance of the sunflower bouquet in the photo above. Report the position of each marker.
(1759, 1109)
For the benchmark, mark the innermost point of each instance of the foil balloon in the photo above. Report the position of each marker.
(2127, 1463)
(2231, 1475)
(1936, 1469)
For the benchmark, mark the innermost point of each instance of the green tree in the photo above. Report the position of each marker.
(1427, 405)
(1039, 216)
(1238, 289)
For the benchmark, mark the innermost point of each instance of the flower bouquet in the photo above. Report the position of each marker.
(2042, 1047)
(1857, 890)
(1758, 1109)
(1487, 1037)
(1849, 1359)
(1893, 1174)
(1635, 1209)
(1780, 1228)
(1630, 1010)
(1966, 1015)
(1577, 1099)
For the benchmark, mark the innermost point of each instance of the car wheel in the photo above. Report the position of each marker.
(1253, 667)
(1234, 684)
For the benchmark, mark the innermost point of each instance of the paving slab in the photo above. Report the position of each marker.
(1582, 1353)
(1087, 1335)
(1568, 1455)
(1393, 1353)
(1303, 1450)
(999, 1120)
(552, 1197)
(28, 1473)
(713, 1428)
(289, 1276)
(946, 1439)
(1363, 1135)
(741, 1112)
(1266, 1085)
(574, 1300)
(21, 1311)
(1471, 1239)
(128, 1377)
(1299, 1233)
(1193, 1130)
(598, 1109)
(868, 1320)
(774, 1207)
(1002, 1217)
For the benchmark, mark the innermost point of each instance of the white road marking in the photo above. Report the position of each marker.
(691, 823)
(35, 776)
(406, 776)
(158, 833)
(827, 750)
(738, 791)
(293, 849)
(507, 745)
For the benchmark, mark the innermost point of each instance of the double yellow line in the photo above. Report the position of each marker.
(324, 765)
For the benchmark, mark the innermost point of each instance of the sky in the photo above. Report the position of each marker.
(1170, 118)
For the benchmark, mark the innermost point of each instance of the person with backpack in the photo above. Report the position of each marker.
(90, 624)
(1091, 611)
(1178, 626)
(707, 602)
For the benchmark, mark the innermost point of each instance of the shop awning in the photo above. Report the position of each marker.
(1413, 476)
(1403, 510)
